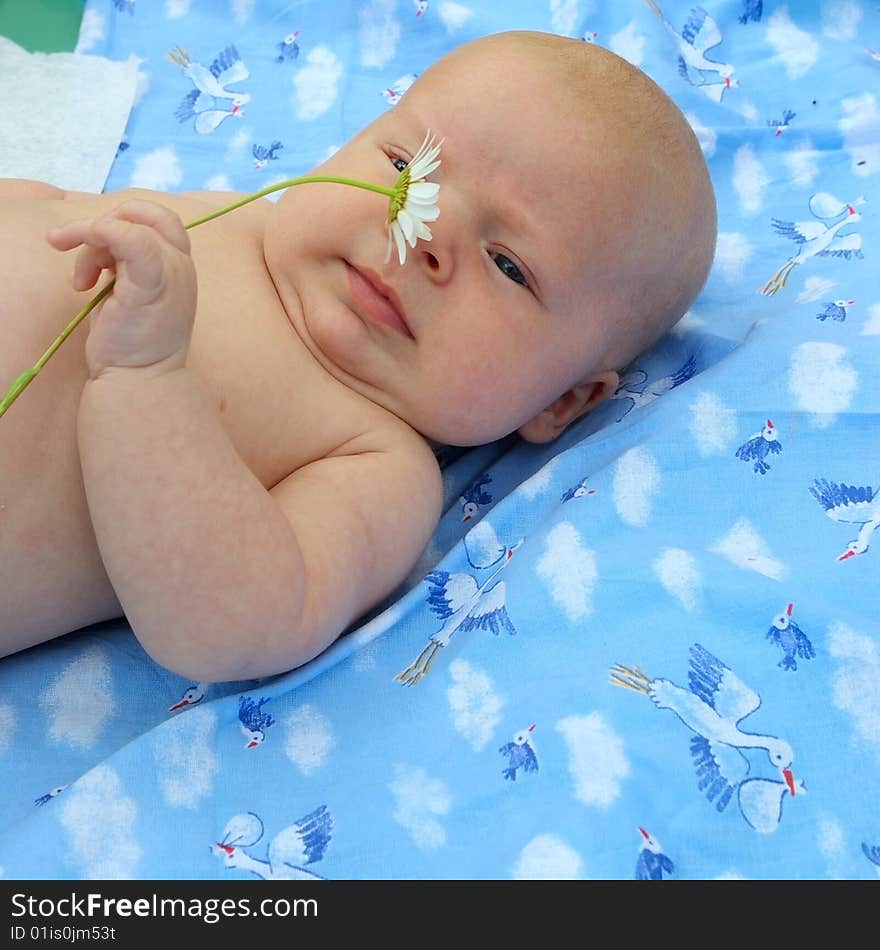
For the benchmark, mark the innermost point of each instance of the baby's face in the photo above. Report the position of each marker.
(500, 313)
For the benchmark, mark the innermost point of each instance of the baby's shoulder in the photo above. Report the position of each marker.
(28, 188)
(377, 497)
(389, 473)
(196, 204)
(409, 465)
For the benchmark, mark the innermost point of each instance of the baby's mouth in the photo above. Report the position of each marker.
(377, 302)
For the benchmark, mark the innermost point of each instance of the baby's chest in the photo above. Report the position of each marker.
(279, 407)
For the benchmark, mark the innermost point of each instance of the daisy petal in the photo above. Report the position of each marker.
(407, 225)
(424, 170)
(425, 161)
(424, 212)
(423, 191)
(401, 244)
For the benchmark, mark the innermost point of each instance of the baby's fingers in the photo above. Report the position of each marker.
(89, 263)
(165, 222)
(134, 250)
(65, 237)
(155, 216)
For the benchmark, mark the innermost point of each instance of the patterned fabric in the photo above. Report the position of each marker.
(649, 650)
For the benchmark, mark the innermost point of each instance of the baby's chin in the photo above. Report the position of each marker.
(442, 432)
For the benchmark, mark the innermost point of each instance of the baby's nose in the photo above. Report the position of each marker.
(437, 265)
(453, 228)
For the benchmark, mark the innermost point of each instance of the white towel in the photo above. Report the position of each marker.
(63, 115)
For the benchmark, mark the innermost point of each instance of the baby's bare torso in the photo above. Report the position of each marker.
(267, 387)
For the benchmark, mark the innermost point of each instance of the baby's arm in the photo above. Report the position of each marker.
(219, 578)
(29, 188)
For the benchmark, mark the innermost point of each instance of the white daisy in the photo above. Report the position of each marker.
(415, 200)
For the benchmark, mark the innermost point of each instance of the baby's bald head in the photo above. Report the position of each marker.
(646, 200)
(658, 196)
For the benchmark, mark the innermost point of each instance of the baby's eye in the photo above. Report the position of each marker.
(398, 162)
(508, 268)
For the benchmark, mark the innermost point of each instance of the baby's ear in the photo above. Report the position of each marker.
(571, 405)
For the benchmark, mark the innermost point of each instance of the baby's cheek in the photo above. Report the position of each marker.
(338, 333)
(472, 404)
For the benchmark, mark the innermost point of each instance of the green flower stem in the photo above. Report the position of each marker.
(289, 183)
(21, 382)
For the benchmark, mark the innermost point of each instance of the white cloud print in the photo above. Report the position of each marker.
(822, 381)
(474, 705)
(872, 324)
(733, 251)
(677, 571)
(186, 762)
(242, 10)
(538, 483)
(159, 170)
(832, 845)
(79, 701)
(797, 49)
(175, 9)
(379, 32)
(597, 761)
(308, 738)
(856, 674)
(629, 43)
(749, 179)
(7, 725)
(316, 85)
(815, 288)
(564, 16)
(840, 19)
(744, 547)
(98, 818)
(713, 424)
(419, 802)
(636, 481)
(861, 117)
(706, 135)
(548, 858)
(454, 16)
(569, 571)
(803, 164)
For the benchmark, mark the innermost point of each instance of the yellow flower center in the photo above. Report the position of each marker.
(398, 199)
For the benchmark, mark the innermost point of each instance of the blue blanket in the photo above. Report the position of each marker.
(649, 650)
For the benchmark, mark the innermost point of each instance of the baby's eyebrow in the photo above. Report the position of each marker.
(520, 217)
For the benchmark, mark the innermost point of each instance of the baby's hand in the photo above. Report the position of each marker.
(148, 317)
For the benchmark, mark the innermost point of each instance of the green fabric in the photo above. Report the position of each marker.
(47, 26)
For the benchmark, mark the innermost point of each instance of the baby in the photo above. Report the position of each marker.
(241, 464)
